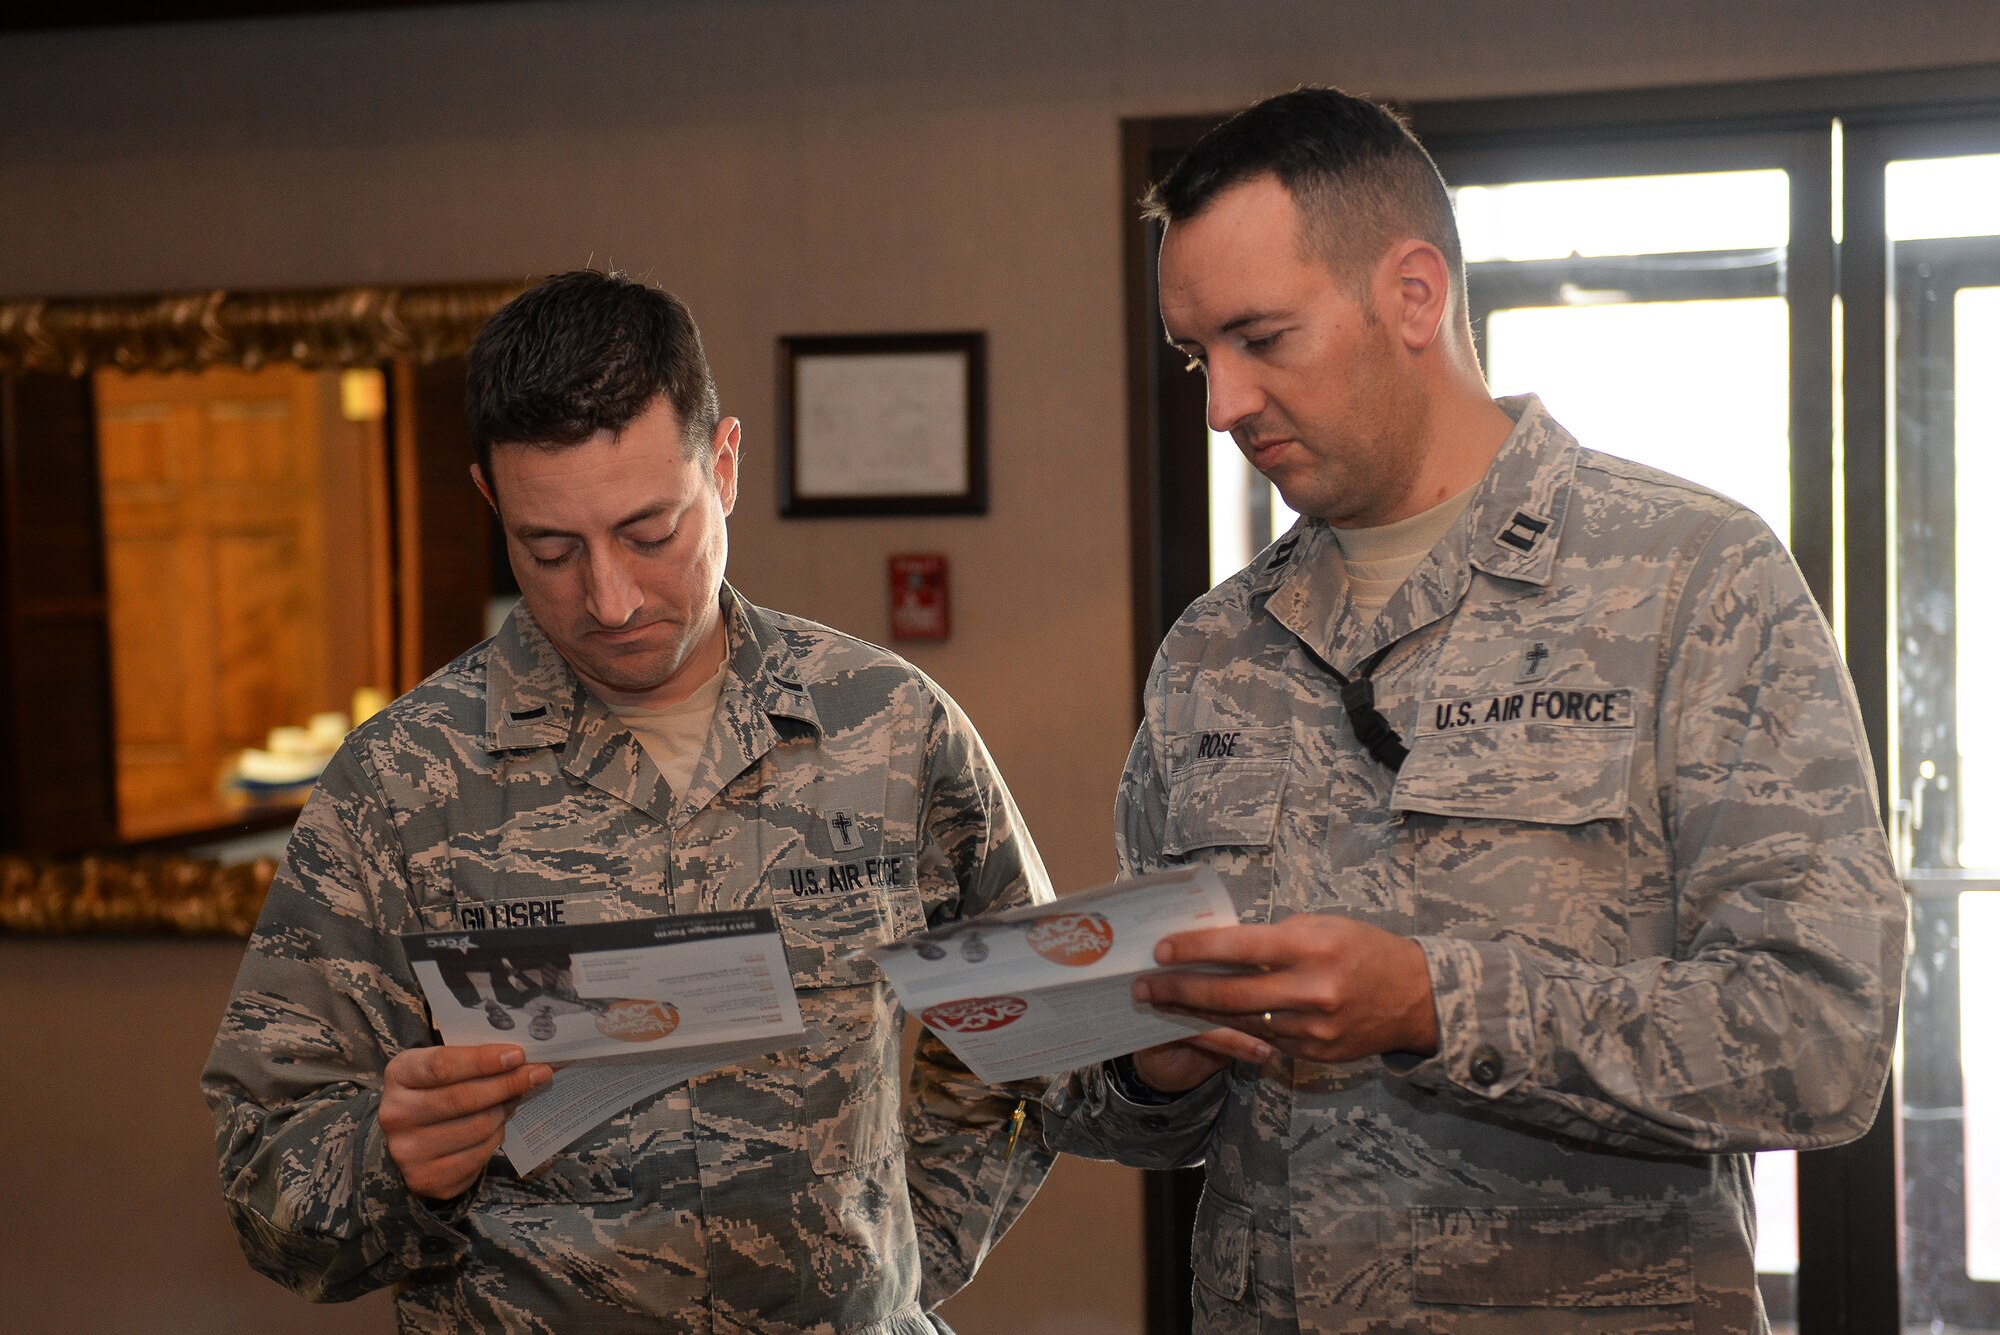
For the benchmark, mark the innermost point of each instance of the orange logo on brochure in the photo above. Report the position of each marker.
(638, 1020)
(1075, 939)
(975, 1015)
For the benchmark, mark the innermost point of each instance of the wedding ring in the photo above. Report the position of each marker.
(1265, 1020)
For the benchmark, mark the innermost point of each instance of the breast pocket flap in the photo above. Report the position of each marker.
(823, 937)
(1542, 776)
(1225, 788)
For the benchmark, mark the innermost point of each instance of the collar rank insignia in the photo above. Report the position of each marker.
(1523, 531)
(845, 830)
(1534, 662)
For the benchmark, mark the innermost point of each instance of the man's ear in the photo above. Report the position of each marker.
(724, 450)
(479, 481)
(1422, 297)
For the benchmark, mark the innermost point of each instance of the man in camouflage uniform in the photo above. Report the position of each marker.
(835, 785)
(1582, 890)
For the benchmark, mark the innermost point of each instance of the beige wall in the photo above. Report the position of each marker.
(789, 166)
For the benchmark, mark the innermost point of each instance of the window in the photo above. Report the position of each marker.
(1942, 216)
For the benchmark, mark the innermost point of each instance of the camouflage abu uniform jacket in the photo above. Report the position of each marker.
(794, 1193)
(1636, 837)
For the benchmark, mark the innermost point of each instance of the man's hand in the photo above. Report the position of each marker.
(444, 1111)
(1329, 989)
(1175, 1068)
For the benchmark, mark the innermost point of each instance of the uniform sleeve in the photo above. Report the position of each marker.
(975, 1154)
(323, 999)
(1085, 1111)
(1772, 1023)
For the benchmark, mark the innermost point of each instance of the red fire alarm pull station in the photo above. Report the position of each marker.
(919, 597)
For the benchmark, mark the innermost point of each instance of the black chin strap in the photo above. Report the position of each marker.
(1357, 696)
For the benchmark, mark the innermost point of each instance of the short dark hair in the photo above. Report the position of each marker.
(584, 352)
(1353, 167)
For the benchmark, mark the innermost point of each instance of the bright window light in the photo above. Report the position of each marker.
(1697, 388)
(1976, 437)
(1232, 482)
(1934, 197)
(1230, 477)
(1630, 215)
(1777, 1188)
(1978, 1002)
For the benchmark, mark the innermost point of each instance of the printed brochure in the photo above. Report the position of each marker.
(622, 1009)
(1041, 989)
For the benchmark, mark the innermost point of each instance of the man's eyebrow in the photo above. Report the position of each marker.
(1191, 346)
(1249, 317)
(639, 516)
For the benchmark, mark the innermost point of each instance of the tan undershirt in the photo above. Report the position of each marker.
(1379, 559)
(673, 737)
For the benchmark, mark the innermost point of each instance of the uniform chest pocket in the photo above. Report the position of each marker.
(847, 1071)
(1225, 793)
(1523, 834)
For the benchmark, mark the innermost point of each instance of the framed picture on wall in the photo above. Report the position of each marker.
(882, 424)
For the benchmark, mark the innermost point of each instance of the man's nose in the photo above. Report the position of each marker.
(612, 595)
(1233, 396)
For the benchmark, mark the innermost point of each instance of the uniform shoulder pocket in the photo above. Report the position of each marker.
(1225, 787)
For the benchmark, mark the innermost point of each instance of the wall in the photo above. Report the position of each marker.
(788, 166)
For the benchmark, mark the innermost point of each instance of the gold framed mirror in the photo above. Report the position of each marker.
(226, 518)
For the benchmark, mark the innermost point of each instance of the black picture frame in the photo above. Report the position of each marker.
(822, 430)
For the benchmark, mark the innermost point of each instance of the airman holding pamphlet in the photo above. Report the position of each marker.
(638, 742)
(1537, 780)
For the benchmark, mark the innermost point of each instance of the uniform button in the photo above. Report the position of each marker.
(1153, 1123)
(1486, 1067)
(433, 1246)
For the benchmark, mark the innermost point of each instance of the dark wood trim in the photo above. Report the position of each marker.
(442, 525)
(1167, 410)
(1812, 278)
(1167, 451)
(58, 790)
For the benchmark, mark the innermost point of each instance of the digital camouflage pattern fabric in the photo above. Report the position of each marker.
(1636, 837)
(841, 789)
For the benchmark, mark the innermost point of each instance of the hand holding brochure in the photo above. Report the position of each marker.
(638, 1005)
(584, 1095)
(1041, 989)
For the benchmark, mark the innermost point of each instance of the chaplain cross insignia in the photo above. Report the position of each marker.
(846, 831)
(1534, 663)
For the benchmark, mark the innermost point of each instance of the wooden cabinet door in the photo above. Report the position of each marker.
(213, 519)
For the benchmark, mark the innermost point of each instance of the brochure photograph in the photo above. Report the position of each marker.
(610, 989)
(1040, 989)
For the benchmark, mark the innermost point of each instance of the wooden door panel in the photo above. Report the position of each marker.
(147, 637)
(265, 634)
(135, 450)
(212, 502)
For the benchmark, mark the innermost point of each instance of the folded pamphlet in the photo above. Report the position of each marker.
(623, 1009)
(1048, 987)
